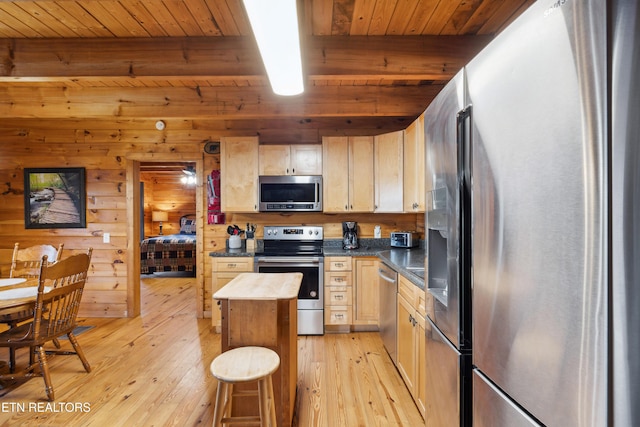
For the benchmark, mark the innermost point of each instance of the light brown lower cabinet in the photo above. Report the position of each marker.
(224, 270)
(411, 340)
(366, 310)
(338, 293)
(351, 293)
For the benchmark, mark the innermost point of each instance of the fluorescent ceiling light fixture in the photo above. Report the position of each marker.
(275, 26)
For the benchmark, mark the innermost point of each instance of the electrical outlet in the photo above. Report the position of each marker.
(106, 237)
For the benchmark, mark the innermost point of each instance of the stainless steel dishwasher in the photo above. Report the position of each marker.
(388, 280)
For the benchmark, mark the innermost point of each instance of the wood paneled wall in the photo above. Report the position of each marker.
(106, 153)
(163, 191)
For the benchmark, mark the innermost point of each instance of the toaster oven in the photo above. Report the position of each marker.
(404, 239)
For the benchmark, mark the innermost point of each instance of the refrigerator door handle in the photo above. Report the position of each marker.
(464, 147)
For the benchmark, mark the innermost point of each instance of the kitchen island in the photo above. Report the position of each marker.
(260, 309)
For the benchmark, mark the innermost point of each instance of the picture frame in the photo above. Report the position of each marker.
(54, 198)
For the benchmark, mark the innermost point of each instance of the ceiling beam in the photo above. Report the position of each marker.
(219, 58)
(221, 103)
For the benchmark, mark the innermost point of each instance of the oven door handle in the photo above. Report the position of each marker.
(289, 260)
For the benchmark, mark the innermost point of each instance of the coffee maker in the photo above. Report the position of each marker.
(350, 235)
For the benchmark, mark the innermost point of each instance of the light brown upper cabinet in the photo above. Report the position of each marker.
(347, 174)
(290, 159)
(414, 166)
(388, 169)
(239, 174)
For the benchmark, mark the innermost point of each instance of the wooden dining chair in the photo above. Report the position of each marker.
(54, 316)
(25, 263)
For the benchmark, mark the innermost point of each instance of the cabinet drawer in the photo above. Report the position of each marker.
(232, 264)
(341, 263)
(338, 295)
(407, 290)
(337, 315)
(422, 305)
(333, 278)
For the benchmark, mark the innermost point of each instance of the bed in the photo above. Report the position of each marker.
(170, 253)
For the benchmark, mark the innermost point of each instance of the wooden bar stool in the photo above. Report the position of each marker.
(241, 365)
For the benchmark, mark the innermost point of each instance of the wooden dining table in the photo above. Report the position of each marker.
(17, 294)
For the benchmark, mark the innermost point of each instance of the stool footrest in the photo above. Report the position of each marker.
(242, 420)
(245, 393)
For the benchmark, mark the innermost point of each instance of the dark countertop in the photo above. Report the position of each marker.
(404, 261)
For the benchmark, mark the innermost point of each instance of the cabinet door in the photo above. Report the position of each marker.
(239, 174)
(361, 176)
(406, 343)
(306, 160)
(335, 174)
(388, 170)
(274, 159)
(421, 365)
(367, 299)
(414, 172)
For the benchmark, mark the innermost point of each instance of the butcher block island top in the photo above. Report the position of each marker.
(260, 286)
(260, 309)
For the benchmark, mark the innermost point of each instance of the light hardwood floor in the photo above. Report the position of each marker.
(154, 371)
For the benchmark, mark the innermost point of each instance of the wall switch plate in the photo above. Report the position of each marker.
(106, 237)
(376, 232)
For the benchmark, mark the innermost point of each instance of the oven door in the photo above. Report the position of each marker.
(311, 292)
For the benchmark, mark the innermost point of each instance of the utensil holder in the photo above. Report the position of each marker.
(235, 242)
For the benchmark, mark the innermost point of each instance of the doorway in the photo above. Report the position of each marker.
(137, 226)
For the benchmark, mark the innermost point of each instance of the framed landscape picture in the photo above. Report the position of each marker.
(54, 198)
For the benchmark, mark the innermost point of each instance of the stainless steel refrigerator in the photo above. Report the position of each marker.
(548, 145)
(448, 323)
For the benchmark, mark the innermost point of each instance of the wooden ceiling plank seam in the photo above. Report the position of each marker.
(115, 16)
(6, 31)
(442, 13)
(62, 15)
(461, 17)
(381, 17)
(221, 18)
(239, 16)
(203, 17)
(14, 26)
(322, 17)
(17, 13)
(362, 14)
(145, 18)
(84, 17)
(184, 18)
(398, 22)
(342, 17)
(420, 18)
(161, 14)
(481, 15)
(57, 24)
(503, 16)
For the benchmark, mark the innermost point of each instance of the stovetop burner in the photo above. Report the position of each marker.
(292, 240)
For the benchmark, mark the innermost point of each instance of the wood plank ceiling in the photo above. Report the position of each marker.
(371, 66)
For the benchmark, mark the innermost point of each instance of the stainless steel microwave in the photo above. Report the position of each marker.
(290, 193)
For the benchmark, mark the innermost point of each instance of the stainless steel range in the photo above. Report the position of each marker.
(290, 249)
